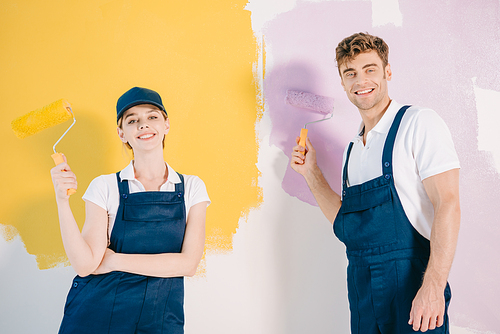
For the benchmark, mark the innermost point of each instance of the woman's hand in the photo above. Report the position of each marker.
(84, 249)
(63, 179)
(106, 263)
(180, 264)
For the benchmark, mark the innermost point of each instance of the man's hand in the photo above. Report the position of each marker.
(427, 311)
(428, 307)
(303, 158)
(304, 162)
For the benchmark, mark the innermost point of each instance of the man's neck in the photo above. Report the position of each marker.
(372, 116)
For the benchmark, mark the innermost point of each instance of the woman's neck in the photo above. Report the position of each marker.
(150, 170)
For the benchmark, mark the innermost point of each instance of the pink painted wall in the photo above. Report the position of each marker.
(434, 55)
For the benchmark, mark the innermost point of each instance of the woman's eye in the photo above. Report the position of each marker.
(131, 121)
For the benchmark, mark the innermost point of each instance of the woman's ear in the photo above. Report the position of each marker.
(121, 134)
(167, 125)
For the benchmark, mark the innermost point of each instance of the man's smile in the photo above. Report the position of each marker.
(363, 92)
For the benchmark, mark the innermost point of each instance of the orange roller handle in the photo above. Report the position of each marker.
(58, 159)
(303, 136)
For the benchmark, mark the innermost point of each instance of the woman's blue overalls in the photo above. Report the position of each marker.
(387, 256)
(146, 223)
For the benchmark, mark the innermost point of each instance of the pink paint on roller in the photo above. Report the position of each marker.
(309, 101)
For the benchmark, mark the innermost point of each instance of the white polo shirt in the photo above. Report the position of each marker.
(103, 190)
(423, 148)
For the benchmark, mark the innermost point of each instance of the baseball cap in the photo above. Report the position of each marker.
(136, 96)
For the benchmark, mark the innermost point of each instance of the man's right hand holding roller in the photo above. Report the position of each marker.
(304, 162)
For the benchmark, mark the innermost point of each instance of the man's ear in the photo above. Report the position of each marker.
(388, 72)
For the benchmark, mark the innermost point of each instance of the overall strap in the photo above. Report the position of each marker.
(122, 185)
(124, 189)
(344, 172)
(179, 187)
(389, 143)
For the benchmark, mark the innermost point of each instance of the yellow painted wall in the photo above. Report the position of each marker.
(199, 55)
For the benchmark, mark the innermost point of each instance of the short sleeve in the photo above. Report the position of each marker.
(433, 147)
(196, 191)
(97, 192)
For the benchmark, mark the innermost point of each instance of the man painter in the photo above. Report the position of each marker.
(398, 213)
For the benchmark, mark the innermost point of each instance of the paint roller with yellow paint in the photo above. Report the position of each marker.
(43, 118)
(309, 101)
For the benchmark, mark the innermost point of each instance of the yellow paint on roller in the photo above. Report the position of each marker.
(199, 55)
(43, 118)
(40, 119)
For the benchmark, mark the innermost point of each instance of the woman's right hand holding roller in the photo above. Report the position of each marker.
(85, 250)
(63, 179)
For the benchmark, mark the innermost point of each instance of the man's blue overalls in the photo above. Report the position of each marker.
(146, 223)
(387, 256)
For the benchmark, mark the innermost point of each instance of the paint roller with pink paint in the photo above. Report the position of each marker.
(309, 101)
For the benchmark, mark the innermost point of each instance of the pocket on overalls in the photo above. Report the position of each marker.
(157, 217)
(367, 219)
(78, 285)
(151, 211)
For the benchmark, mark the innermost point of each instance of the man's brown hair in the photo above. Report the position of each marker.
(358, 43)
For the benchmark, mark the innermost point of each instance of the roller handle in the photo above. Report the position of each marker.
(58, 159)
(303, 136)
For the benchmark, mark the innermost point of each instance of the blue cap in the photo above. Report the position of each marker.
(136, 96)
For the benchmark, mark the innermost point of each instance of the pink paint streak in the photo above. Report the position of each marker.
(434, 55)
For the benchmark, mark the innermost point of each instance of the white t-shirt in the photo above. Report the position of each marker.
(103, 190)
(423, 148)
